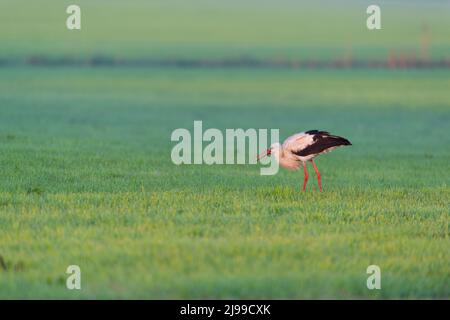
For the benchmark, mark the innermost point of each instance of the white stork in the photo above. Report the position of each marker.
(302, 147)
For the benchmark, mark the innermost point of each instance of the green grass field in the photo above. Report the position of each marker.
(87, 179)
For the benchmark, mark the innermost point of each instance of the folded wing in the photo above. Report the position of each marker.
(313, 142)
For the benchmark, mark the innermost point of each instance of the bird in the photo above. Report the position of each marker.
(302, 147)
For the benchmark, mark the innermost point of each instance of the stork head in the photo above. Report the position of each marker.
(274, 147)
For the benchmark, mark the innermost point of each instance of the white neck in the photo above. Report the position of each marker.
(283, 158)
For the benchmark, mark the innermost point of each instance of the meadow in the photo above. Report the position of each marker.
(87, 179)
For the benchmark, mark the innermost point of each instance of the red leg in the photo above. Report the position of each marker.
(305, 177)
(318, 175)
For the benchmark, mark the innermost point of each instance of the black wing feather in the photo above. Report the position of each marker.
(317, 132)
(322, 141)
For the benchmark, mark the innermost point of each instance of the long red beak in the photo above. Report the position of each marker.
(263, 154)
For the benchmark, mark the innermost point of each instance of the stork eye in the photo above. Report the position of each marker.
(269, 151)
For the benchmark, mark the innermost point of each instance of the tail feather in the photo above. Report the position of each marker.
(342, 141)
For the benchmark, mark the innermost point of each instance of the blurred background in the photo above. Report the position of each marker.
(201, 31)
